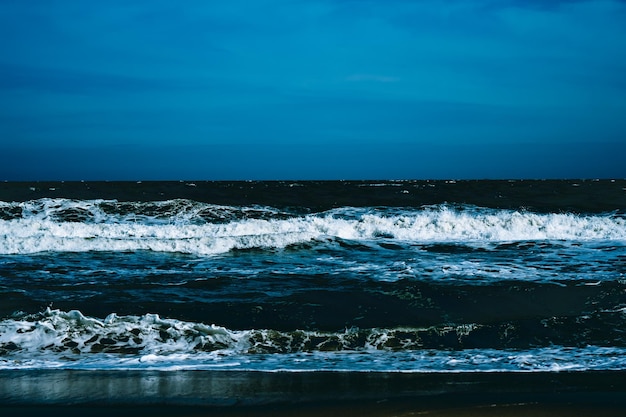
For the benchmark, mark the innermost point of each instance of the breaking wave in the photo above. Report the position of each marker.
(59, 339)
(190, 227)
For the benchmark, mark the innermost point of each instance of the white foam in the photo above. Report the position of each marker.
(180, 229)
(150, 336)
(56, 331)
(70, 340)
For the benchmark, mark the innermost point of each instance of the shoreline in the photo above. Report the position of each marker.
(233, 392)
(597, 404)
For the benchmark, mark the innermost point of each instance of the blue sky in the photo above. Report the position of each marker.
(312, 89)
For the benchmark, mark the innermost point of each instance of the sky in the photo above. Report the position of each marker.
(312, 89)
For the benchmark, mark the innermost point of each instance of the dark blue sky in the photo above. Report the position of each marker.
(312, 89)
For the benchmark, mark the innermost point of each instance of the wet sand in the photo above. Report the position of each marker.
(583, 404)
(224, 393)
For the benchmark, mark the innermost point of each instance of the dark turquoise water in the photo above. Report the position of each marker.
(395, 276)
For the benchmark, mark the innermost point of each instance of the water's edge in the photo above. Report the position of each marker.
(236, 388)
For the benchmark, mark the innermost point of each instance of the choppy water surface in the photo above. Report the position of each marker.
(366, 276)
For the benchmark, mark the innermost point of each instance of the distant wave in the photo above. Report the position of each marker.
(190, 227)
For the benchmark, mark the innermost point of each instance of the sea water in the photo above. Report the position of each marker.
(344, 276)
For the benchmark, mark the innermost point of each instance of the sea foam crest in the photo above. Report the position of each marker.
(177, 211)
(190, 227)
(60, 339)
(71, 332)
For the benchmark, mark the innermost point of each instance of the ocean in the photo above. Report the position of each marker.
(447, 280)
